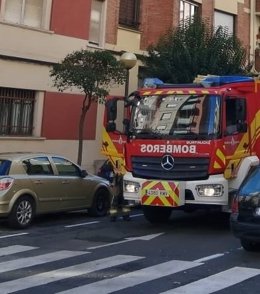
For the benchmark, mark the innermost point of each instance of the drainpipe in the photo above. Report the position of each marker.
(252, 30)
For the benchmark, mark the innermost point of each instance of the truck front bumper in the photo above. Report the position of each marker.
(213, 191)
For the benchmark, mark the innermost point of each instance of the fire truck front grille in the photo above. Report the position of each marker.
(183, 169)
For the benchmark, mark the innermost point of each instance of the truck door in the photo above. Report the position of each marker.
(114, 131)
(236, 133)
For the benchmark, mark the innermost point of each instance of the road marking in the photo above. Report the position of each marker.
(136, 215)
(203, 259)
(39, 259)
(15, 249)
(210, 284)
(81, 224)
(142, 238)
(216, 282)
(13, 235)
(133, 278)
(63, 273)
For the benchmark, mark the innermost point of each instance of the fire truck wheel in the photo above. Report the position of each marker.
(156, 214)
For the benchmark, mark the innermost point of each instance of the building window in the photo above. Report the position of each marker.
(32, 13)
(187, 10)
(129, 13)
(97, 23)
(16, 112)
(224, 20)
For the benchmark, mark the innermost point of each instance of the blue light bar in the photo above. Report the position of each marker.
(211, 81)
(152, 82)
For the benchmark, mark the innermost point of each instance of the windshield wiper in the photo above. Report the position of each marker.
(149, 134)
(192, 135)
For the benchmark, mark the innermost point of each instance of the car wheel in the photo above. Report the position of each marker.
(22, 213)
(156, 214)
(101, 204)
(250, 245)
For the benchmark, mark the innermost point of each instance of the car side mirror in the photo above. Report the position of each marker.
(83, 173)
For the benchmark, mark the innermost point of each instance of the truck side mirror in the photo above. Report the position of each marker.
(111, 106)
(126, 123)
(110, 126)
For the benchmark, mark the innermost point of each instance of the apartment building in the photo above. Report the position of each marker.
(35, 34)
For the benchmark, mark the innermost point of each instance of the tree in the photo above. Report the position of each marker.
(93, 72)
(194, 47)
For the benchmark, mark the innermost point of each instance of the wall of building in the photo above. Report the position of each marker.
(243, 21)
(156, 19)
(42, 46)
(153, 25)
(27, 54)
(61, 117)
(71, 20)
(112, 21)
(25, 60)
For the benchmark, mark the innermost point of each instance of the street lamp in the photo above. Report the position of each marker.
(128, 60)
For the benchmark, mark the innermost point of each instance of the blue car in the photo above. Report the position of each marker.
(245, 216)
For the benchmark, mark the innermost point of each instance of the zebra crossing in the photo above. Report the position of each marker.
(75, 264)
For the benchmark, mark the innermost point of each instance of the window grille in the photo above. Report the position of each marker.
(16, 112)
(129, 13)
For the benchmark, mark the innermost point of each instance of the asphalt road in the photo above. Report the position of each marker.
(74, 253)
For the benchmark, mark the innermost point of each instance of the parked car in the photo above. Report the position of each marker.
(38, 183)
(245, 216)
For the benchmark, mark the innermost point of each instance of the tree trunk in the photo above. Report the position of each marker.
(81, 132)
(85, 107)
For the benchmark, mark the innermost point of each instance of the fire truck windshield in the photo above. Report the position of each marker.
(177, 116)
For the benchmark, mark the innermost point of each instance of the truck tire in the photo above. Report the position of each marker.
(156, 214)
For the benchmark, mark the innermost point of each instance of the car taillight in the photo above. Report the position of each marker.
(234, 205)
(5, 183)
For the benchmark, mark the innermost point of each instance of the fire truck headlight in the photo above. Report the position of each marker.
(214, 190)
(131, 187)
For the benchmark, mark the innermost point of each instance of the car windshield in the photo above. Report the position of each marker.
(177, 116)
(251, 184)
(4, 167)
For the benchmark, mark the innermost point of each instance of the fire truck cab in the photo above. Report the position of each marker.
(184, 146)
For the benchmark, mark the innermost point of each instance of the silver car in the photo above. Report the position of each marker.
(38, 183)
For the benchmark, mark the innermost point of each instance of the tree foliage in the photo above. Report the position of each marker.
(93, 73)
(195, 47)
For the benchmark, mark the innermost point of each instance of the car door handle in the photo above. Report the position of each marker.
(65, 182)
(37, 182)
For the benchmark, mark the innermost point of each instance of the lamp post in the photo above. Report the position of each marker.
(128, 60)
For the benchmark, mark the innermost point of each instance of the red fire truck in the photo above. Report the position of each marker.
(184, 146)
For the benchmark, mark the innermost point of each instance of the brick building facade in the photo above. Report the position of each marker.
(38, 33)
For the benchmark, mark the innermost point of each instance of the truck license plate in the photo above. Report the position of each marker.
(157, 192)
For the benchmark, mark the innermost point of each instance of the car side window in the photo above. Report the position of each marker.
(4, 167)
(38, 166)
(66, 167)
